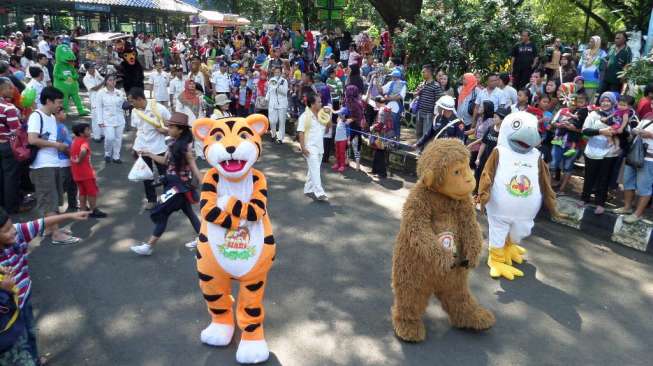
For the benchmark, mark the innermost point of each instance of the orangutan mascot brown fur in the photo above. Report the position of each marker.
(438, 242)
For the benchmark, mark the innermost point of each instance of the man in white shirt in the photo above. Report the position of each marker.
(311, 134)
(42, 63)
(36, 83)
(176, 88)
(220, 80)
(44, 47)
(394, 91)
(160, 80)
(93, 82)
(149, 120)
(508, 91)
(277, 97)
(42, 132)
(491, 93)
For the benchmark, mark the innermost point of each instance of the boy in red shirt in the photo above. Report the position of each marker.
(83, 173)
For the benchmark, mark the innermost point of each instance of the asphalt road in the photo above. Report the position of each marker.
(328, 296)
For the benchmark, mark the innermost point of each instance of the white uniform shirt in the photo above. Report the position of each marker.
(277, 94)
(511, 95)
(109, 104)
(46, 72)
(220, 82)
(147, 137)
(92, 81)
(160, 86)
(175, 89)
(46, 157)
(497, 97)
(44, 48)
(314, 141)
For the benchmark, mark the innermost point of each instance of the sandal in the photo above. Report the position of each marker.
(66, 231)
(69, 240)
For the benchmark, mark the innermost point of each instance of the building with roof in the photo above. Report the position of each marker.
(151, 16)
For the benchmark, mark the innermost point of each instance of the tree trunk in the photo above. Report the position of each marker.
(600, 21)
(393, 10)
(234, 6)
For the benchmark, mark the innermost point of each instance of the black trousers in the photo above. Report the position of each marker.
(521, 77)
(379, 163)
(150, 191)
(9, 179)
(162, 213)
(597, 179)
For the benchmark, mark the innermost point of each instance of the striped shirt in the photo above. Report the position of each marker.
(15, 256)
(430, 94)
(9, 121)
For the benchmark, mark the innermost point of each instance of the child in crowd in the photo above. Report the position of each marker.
(36, 82)
(14, 244)
(485, 121)
(621, 117)
(381, 132)
(244, 96)
(335, 86)
(341, 139)
(544, 125)
(568, 125)
(564, 117)
(489, 141)
(160, 81)
(65, 173)
(83, 172)
(579, 82)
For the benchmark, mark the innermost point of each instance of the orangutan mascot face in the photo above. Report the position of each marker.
(129, 55)
(444, 167)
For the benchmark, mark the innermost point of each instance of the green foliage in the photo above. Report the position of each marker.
(413, 78)
(639, 72)
(465, 35)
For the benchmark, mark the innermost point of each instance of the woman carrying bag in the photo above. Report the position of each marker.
(180, 182)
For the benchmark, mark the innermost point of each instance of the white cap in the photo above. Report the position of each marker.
(446, 102)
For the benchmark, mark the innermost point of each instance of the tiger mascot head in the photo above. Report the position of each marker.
(232, 144)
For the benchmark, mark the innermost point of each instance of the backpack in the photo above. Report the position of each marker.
(471, 104)
(20, 146)
(11, 324)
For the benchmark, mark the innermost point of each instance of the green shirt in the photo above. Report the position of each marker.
(299, 40)
(616, 62)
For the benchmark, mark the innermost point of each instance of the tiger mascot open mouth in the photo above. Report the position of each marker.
(235, 241)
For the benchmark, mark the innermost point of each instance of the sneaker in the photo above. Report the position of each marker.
(631, 219)
(69, 240)
(569, 153)
(150, 205)
(191, 244)
(117, 161)
(556, 141)
(107, 159)
(142, 249)
(278, 142)
(323, 198)
(310, 195)
(623, 211)
(97, 214)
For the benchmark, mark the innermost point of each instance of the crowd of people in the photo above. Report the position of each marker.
(343, 91)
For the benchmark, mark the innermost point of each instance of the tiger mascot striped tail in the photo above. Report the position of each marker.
(235, 241)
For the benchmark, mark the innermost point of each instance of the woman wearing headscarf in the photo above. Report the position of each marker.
(356, 79)
(588, 67)
(467, 94)
(356, 109)
(602, 151)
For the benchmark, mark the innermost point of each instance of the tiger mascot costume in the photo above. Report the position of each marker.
(235, 240)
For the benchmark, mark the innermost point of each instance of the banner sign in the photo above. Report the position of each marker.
(93, 7)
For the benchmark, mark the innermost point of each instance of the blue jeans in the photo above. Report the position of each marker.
(396, 124)
(28, 318)
(560, 162)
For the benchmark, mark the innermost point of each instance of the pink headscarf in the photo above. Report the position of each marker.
(469, 87)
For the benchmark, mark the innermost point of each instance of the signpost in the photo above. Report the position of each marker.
(330, 10)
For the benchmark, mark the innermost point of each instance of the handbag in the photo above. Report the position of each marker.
(637, 151)
(261, 102)
(140, 171)
(20, 145)
(11, 324)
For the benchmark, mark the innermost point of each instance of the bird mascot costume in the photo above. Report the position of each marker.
(514, 184)
(439, 242)
(235, 240)
(66, 78)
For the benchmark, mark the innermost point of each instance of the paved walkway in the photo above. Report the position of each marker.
(328, 296)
